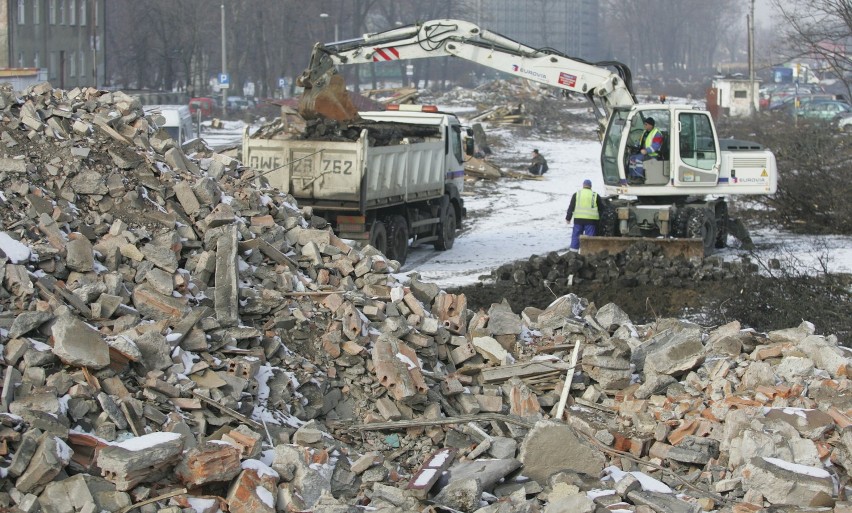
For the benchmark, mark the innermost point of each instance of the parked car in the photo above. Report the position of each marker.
(237, 104)
(787, 101)
(844, 122)
(206, 106)
(824, 110)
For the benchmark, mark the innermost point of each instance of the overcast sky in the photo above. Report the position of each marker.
(763, 11)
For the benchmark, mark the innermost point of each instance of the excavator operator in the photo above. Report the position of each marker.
(649, 147)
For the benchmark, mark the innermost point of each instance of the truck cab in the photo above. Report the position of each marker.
(174, 119)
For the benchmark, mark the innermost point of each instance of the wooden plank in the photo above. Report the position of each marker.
(521, 370)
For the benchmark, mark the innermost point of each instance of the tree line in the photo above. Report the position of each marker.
(177, 44)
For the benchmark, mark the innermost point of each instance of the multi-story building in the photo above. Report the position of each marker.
(569, 26)
(65, 37)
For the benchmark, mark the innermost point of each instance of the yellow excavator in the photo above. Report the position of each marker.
(681, 204)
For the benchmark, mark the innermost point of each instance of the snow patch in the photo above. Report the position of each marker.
(15, 251)
(141, 443)
(264, 495)
(798, 468)
(649, 484)
(261, 468)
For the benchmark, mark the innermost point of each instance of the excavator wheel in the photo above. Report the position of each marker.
(701, 224)
(679, 222)
(397, 239)
(722, 225)
(379, 237)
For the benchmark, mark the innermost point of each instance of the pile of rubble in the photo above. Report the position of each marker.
(640, 265)
(175, 338)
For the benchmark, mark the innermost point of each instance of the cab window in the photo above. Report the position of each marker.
(697, 141)
(611, 146)
(455, 141)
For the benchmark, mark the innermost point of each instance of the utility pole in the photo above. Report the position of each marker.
(752, 96)
(225, 66)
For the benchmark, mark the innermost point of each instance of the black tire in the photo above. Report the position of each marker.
(608, 223)
(379, 237)
(397, 239)
(722, 225)
(447, 229)
(701, 225)
(681, 217)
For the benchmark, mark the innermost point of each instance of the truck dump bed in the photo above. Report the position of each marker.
(349, 176)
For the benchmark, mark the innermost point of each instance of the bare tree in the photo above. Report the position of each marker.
(663, 36)
(819, 29)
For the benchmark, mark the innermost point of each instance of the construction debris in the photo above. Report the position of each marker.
(396, 95)
(175, 339)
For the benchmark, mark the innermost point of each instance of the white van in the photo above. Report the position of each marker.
(178, 121)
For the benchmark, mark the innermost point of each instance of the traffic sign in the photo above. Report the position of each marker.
(282, 83)
(224, 80)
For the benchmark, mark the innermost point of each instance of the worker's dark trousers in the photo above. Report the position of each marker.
(584, 227)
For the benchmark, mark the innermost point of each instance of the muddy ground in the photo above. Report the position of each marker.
(759, 302)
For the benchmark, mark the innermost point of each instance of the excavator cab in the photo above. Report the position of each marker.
(688, 158)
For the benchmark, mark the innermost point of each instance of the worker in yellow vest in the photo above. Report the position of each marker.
(585, 208)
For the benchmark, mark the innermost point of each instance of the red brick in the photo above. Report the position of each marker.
(686, 428)
(209, 462)
(247, 493)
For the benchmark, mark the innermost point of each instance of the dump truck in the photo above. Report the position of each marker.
(404, 192)
(681, 204)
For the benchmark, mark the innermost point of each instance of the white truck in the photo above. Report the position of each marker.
(389, 196)
(176, 120)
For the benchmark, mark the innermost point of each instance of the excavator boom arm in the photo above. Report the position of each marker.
(604, 88)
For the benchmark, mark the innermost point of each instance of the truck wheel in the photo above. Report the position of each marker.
(701, 225)
(398, 239)
(447, 229)
(722, 225)
(379, 237)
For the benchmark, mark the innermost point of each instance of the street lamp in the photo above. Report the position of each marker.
(224, 66)
(325, 16)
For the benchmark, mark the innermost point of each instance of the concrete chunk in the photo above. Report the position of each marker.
(552, 446)
(227, 293)
(75, 343)
(135, 460)
(51, 456)
(26, 322)
(789, 484)
(674, 353)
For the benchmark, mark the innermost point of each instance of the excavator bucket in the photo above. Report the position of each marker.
(672, 248)
(328, 99)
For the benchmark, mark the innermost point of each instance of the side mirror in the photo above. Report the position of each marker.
(468, 146)
(469, 132)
